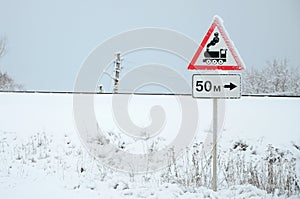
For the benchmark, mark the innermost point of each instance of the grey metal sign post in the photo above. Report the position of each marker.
(215, 134)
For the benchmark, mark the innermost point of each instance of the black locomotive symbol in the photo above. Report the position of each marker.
(214, 57)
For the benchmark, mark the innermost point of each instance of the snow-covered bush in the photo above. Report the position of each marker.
(273, 171)
(278, 78)
(242, 171)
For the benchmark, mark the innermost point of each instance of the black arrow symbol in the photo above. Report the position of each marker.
(230, 86)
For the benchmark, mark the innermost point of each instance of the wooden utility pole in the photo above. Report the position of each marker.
(117, 71)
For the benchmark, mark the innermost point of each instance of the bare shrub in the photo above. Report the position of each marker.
(273, 171)
(6, 82)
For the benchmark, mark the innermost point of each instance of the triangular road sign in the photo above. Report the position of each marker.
(216, 51)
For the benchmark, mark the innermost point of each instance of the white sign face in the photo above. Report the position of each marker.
(217, 86)
(216, 52)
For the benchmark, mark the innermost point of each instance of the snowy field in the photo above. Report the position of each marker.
(42, 157)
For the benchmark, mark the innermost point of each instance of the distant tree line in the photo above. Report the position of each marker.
(277, 78)
(6, 82)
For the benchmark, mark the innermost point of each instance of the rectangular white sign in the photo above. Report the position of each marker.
(226, 86)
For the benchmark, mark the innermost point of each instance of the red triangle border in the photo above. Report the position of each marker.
(217, 22)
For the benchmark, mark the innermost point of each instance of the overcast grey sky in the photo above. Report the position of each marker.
(48, 40)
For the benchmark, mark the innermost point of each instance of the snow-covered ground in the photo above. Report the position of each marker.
(42, 157)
